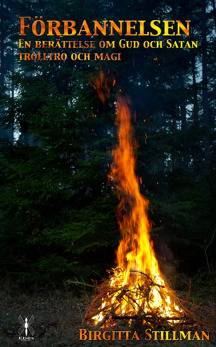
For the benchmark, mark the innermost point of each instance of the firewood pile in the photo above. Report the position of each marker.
(113, 305)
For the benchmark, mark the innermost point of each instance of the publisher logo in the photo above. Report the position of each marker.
(26, 332)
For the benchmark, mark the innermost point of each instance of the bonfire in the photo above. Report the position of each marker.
(136, 290)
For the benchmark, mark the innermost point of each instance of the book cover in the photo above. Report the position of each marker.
(107, 204)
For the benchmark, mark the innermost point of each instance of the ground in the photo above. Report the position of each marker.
(58, 316)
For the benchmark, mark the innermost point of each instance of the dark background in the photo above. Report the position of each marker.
(57, 207)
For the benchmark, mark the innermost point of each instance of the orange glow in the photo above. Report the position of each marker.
(137, 266)
(103, 85)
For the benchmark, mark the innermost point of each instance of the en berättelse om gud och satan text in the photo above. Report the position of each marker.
(40, 55)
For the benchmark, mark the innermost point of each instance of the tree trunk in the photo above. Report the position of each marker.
(195, 98)
(214, 12)
(205, 104)
(2, 63)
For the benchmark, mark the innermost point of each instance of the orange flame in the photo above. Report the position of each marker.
(135, 251)
(103, 85)
(135, 254)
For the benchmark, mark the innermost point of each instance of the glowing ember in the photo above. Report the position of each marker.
(136, 287)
